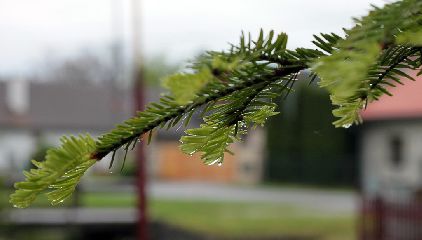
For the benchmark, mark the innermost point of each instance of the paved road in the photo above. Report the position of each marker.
(342, 202)
(324, 201)
(63, 216)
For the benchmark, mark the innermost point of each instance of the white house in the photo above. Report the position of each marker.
(391, 143)
(34, 114)
(391, 154)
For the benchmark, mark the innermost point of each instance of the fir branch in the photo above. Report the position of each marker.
(132, 129)
(59, 173)
(367, 58)
(410, 51)
(238, 87)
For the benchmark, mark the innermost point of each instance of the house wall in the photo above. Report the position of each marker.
(380, 174)
(250, 156)
(167, 162)
(16, 147)
(174, 165)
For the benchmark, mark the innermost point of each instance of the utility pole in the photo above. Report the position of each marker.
(117, 66)
(138, 88)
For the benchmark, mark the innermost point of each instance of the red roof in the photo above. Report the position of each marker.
(406, 102)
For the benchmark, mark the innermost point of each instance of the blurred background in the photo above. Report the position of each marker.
(67, 66)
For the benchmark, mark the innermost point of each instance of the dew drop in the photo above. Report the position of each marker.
(214, 162)
(347, 125)
(111, 171)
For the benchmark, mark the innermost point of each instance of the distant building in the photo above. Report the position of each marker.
(245, 166)
(392, 143)
(391, 153)
(33, 114)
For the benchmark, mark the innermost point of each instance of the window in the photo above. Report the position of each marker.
(396, 146)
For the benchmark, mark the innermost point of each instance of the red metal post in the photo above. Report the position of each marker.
(379, 218)
(362, 219)
(138, 87)
(142, 228)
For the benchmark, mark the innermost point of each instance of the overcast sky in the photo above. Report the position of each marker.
(178, 29)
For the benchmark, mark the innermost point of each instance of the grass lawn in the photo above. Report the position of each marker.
(252, 219)
(234, 219)
(108, 199)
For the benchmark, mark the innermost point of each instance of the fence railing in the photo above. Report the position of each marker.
(384, 220)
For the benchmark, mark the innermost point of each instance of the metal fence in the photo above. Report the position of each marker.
(384, 220)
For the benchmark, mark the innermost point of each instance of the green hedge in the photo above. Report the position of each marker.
(304, 147)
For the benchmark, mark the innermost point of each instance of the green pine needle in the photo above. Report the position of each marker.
(59, 174)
